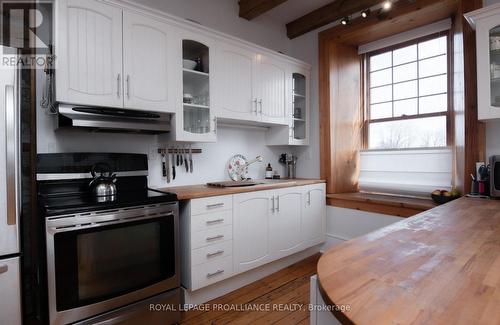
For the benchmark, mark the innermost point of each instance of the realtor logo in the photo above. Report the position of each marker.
(26, 33)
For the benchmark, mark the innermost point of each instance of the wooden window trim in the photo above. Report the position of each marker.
(450, 141)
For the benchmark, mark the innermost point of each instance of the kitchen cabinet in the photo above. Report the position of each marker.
(285, 222)
(298, 103)
(252, 212)
(251, 86)
(271, 90)
(89, 53)
(486, 21)
(10, 284)
(236, 94)
(195, 119)
(148, 64)
(206, 227)
(314, 214)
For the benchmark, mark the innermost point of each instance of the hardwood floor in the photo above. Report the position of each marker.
(280, 298)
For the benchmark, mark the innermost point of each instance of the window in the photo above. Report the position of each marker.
(407, 95)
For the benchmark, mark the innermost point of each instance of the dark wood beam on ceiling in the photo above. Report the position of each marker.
(250, 9)
(403, 16)
(325, 15)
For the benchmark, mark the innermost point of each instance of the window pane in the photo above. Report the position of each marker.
(380, 78)
(405, 90)
(380, 111)
(433, 85)
(380, 61)
(404, 55)
(432, 66)
(414, 133)
(380, 94)
(405, 72)
(405, 107)
(432, 104)
(432, 47)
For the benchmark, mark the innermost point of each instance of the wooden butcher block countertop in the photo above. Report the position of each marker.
(441, 266)
(200, 191)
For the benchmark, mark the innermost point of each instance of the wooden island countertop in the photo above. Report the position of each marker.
(441, 266)
(200, 191)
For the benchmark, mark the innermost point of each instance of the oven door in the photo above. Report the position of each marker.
(108, 259)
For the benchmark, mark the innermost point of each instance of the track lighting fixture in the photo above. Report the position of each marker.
(365, 13)
(344, 21)
(387, 5)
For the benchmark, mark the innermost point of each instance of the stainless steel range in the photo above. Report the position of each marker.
(108, 257)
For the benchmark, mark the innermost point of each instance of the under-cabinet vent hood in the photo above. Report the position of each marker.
(102, 119)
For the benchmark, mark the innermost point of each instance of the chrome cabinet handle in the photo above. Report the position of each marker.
(4, 268)
(272, 199)
(309, 197)
(118, 79)
(215, 253)
(128, 86)
(211, 222)
(260, 103)
(214, 273)
(255, 105)
(216, 205)
(11, 143)
(278, 203)
(215, 237)
(215, 124)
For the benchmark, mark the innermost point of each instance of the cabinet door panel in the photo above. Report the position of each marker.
(147, 64)
(10, 287)
(272, 91)
(235, 85)
(251, 230)
(285, 227)
(313, 218)
(89, 53)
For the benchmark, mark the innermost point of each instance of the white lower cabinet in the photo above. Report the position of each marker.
(252, 212)
(314, 214)
(226, 235)
(10, 307)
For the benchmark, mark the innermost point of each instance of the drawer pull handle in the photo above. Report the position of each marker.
(209, 275)
(216, 205)
(215, 253)
(215, 237)
(4, 268)
(209, 222)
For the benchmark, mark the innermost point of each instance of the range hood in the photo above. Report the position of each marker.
(117, 120)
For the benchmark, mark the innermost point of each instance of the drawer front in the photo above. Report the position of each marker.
(211, 236)
(211, 220)
(212, 252)
(211, 204)
(211, 272)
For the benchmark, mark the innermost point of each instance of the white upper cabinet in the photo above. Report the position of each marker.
(486, 21)
(271, 90)
(236, 96)
(147, 64)
(89, 53)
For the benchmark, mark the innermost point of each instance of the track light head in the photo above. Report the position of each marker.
(365, 13)
(344, 21)
(387, 5)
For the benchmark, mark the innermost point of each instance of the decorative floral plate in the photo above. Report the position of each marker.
(237, 167)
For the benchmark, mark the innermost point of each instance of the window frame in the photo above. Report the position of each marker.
(450, 139)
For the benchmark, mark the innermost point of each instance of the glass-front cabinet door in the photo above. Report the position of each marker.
(299, 116)
(195, 121)
(486, 21)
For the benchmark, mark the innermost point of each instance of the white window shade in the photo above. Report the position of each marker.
(407, 171)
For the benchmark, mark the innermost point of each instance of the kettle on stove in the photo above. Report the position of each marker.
(104, 180)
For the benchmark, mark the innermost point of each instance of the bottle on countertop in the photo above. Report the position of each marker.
(269, 171)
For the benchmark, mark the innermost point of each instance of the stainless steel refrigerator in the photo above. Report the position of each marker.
(10, 194)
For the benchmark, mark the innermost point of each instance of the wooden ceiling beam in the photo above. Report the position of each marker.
(403, 16)
(250, 9)
(327, 14)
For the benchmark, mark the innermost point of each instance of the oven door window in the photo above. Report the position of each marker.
(100, 263)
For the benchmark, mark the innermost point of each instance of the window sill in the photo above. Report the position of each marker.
(380, 203)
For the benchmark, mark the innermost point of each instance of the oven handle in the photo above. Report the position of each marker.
(55, 230)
